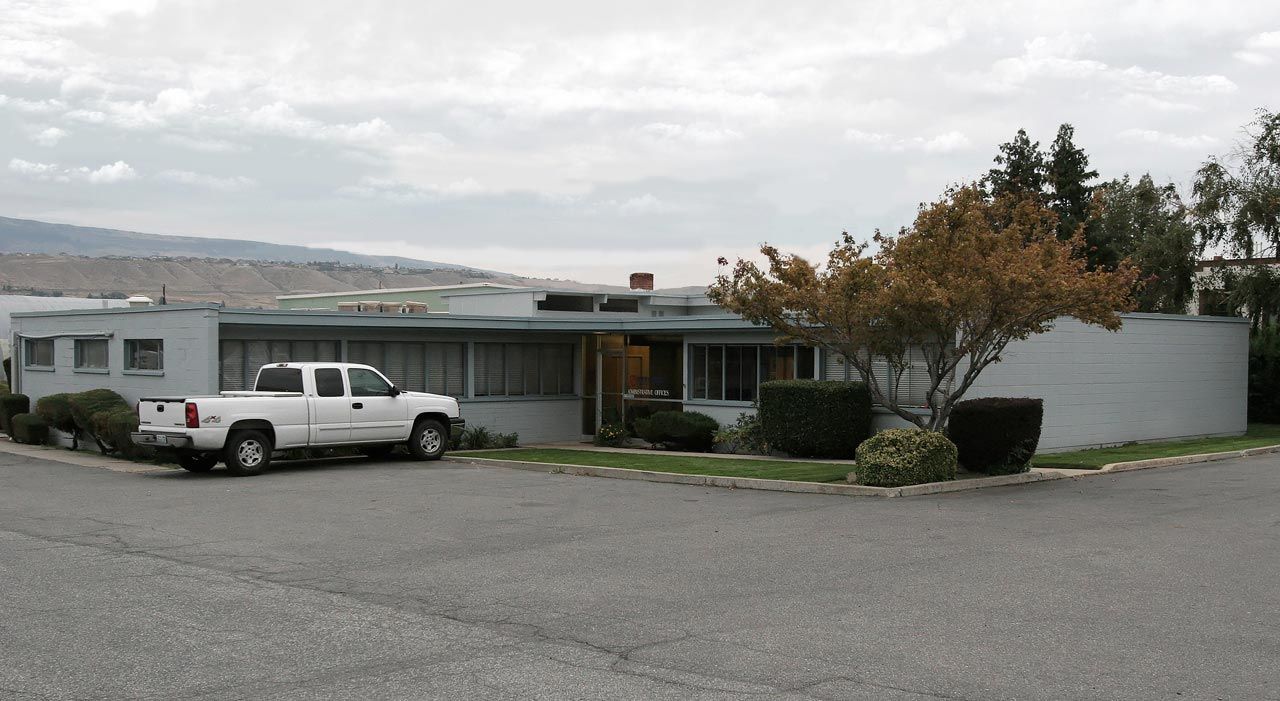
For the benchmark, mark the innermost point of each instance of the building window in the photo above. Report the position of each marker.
(143, 354)
(523, 369)
(37, 352)
(566, 303)
(621, 305)
(733, 373)
(91, 354)
(239, 361)
(909, 385)
(418, 367)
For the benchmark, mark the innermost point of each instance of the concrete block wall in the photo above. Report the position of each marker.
(1160, 377)
(536, 420)
(190, 352)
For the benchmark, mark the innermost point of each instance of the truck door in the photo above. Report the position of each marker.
(331, 420)
(376, 415)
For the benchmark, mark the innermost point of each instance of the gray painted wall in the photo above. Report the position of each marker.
(1159, 377)
(536, 420)
(190, 352)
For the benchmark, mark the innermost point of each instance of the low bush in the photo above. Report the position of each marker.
(678, 430)
(996, 435)
(744, 437)
(85, 405)
(55, 409)
(111, 427)
(901, 456)
(815, 419)
(30, 429)
(481, 438)
(612, 435)
(10, 406)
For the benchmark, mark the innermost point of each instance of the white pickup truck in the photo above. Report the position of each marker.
(298, 405)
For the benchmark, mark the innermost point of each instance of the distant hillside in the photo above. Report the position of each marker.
(30, 236)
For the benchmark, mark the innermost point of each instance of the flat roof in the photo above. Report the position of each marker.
(584, 324)
(687, 298)
(393, 290)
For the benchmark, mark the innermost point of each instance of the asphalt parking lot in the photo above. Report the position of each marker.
(393, 580)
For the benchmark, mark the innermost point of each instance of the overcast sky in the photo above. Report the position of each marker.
(585, 139)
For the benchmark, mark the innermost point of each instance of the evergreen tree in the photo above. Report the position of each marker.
(1070, 193)
(1021, 168)
(1148, 224)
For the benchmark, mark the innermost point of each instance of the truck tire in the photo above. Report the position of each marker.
(429, 440)
(247, 453)
(197, 462)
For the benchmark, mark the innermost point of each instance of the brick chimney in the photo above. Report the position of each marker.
(642, 281)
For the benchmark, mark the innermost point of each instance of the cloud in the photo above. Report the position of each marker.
(205, 145)
(212, 182)
(409, 193)
(1151, 136)
(110, 173)
(49, 136)
(642, 205)
(1259, 49)
(945, 142)
(20, 104)
(1060, 58)
(696, 133)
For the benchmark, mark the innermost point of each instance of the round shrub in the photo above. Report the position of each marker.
(900, 456)
(30, 429)
(815, 419)
(679, 430)
(613, 435)
(11, 405)
(996, 435)
(112, 427)
(85, 404)
(55, 409)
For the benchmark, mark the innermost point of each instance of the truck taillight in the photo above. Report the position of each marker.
(193, 415)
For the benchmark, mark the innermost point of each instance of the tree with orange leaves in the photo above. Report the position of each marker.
(971, 275)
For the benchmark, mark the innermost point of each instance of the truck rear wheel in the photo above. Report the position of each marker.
(247, 453)
(428, 440)
(197, 462)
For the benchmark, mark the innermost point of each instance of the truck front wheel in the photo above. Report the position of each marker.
(428, 440)
(247, 453)
(197, 462)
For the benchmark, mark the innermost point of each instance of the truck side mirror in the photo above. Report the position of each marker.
(395, 391)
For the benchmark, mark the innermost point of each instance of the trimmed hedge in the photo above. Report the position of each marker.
(113, 426)
(815, 419)
(10, 406)
(679, 430)
(55, 409)
(84, 405)
(30, 429)
(901, 456)
(996, 435)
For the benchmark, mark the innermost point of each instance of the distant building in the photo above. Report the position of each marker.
(23, 303)
(1209, 295)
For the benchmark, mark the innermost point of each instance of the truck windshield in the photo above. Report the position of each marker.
(280, 380)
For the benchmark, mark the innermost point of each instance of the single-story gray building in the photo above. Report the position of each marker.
(552, 365)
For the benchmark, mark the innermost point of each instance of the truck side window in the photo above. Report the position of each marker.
(366, 383)
(329, 382)
(280, 380)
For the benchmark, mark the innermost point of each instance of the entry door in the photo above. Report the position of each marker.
(332, 420)
(613, 385)
(375, 414)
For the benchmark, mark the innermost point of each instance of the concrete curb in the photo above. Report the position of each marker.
(762, 484)
(78, 458)
(1186, 459)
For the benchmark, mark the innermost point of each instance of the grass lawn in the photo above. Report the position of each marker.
(683, 464)
(1257, 436)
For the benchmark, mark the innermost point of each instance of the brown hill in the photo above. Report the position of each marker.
(237, 283)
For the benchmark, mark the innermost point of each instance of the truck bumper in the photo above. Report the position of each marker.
(161, 440)
(456, 427)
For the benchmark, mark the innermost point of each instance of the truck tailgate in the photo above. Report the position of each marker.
(162, 412)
